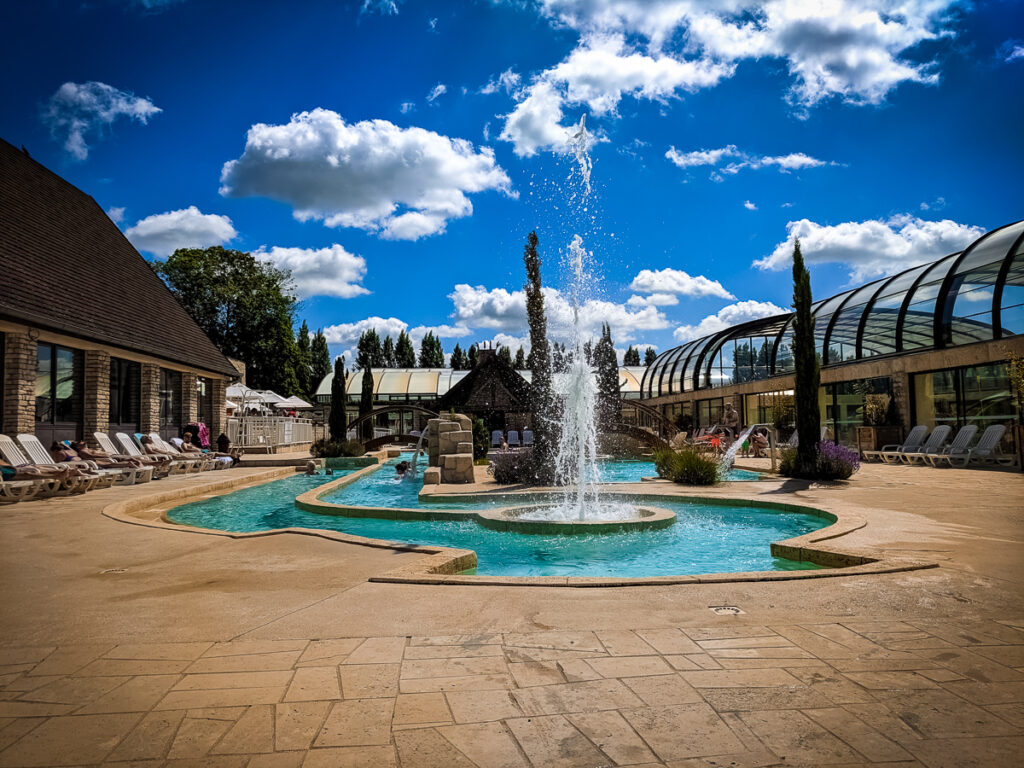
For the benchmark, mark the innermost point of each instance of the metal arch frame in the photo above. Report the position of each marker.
(697, 356)
(871, 305)
(874, 300)
(832, 322)
(778, 342)
(997, 294)
(670, 367)
(942, 300)
(839, 311)
(734, 332)
(649, 373)
(902, 316)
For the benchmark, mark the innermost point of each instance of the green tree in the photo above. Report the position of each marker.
(337, 423)
(545, 416)
(388, 352)
(559, 363)
(431, 352)
(520, 360)
(631, 356)
(369, 351)
(303, 360)
(244, 305)
(320, 360)
(405, 353)
(805, 359)
(649, 356)
(471, 356)
(366, 402)
(459, 361)
(606, 362)
(505, 353)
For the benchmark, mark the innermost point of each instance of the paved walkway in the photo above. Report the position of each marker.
(122, 644)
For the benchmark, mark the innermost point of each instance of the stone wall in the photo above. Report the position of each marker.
(450, 450)
(96, 414)
(19, 383)
(149, 407)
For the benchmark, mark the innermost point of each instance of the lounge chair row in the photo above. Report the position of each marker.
(511, 439)
(50, 478)
(934, 450)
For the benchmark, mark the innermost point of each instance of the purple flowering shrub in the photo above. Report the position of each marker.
(835, 462)
(508, 467)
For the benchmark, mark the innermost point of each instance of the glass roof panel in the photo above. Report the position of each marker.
(393, 381)
(423, 382)
(918, 325)
(842, 342)
(691, 364)
(992, 247)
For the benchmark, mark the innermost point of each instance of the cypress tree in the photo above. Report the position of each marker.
(366, 401)
(505, 354)
(631, 356)
(431, 352)
(369, 351)
(607, 365)
(459, 361)
(545, 436)
(337, 423)
(320, 360)
(649, 356)
(471, 356)
(805, 358)
(520, 360)
(302, 362)
(388, 353)
(405, 354)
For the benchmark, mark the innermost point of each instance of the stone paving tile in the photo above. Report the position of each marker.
(25, 655)
(553, 742)
(368, 681)
(210, 761)
(139, 694)
(260, 662)
(482, 706)
(83, 738)
(351, 757)
(739, 678)
(254, 647)
(32, 709)
(969, 753)
(426, 748)
(833, 686)
(328, 652)
(513, 654)
(421, 709)
(587, 696)
(566, 641)
(357, 723)
(663, 690)
(748, 699)
(622, 642)
(684, 730)
(885, 721)
(536, 673)
(972, 665)
(18, 727)
(158, 651)
(1011, 713)
(702, 661)
(297, 723)
(451, 651)
(668, 641)
(459, 683)
(769, 641)
(684, 662)
(74, 690)
(794, 735)
(857, 734)
(196, 736)
(378, 650)
(314, 684)
(880, 680)
(986, 633)
(725, 631)
(939, 714)
(1007, 655)
(942, 675)
(253, 732)
(151, 738)
(770, 662)
(630, 666)
(128, 667)
(233, 697)
(488, 745)
(477, 639)
(778, 651)
(67, 660)
(24, 682)
(277, 760)
(614, 736)
(759, 759)
(232, 680)
(577, 670)
(455, 667)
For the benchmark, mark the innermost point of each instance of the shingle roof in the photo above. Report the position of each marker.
(66, 267)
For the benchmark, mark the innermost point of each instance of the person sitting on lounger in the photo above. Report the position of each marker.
(33, 472)
(759, 443)
(152, 449)
(63, 455)
(187, 446)
(80, 449)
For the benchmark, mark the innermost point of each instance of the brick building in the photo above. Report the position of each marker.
(90, 337)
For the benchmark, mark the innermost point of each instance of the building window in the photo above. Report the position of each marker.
(204, 393)
(170, 397)
(59, 387)
(844, 405)
(978, 395)
(124, 393)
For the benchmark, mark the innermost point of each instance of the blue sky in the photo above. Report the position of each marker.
(395, 155)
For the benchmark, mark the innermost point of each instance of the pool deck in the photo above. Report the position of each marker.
(147, 646)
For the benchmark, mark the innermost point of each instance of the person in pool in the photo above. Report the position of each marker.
(401, 468)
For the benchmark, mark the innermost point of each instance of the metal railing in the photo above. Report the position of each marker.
(269, 432)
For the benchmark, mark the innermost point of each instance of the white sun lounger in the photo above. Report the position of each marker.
(142, 474)
(983, 452)
(104, 477)
(933, 446)
(51, 486)
(172, 466)
(956, 448)
(198, 463)
(890, 454)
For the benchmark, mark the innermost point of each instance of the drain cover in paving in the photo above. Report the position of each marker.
(724, 610)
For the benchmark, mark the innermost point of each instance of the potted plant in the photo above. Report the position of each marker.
(880, 427)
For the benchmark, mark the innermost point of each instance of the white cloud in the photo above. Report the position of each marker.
(81, 111)
(438, 90)
(740, 160)
(432, 23)
(1011, 50)
(749, 205)
(330, 271)
(407, 107)
(441, 331)
(676, 281)
(507, 81)
(536, 122)
(116, 214)
(851, 49)
(935, 205)
(383, 7)
(654, 300)
(733, 314)
(347, 334)
(505, 311)
(871, 248)
(400, 183)
(162, 233)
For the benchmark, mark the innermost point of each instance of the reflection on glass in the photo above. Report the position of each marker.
(44, 383)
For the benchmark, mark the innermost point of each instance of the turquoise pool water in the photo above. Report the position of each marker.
(633, 470)
(704, 539)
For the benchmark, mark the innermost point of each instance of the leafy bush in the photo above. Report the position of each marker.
(333, 448)
(835, 462)
(481, 440)
(688, 466)
(508, 467)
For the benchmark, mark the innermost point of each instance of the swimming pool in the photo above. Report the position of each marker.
(704, 539)
(634, 470)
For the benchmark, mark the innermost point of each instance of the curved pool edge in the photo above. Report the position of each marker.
(446, 565)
